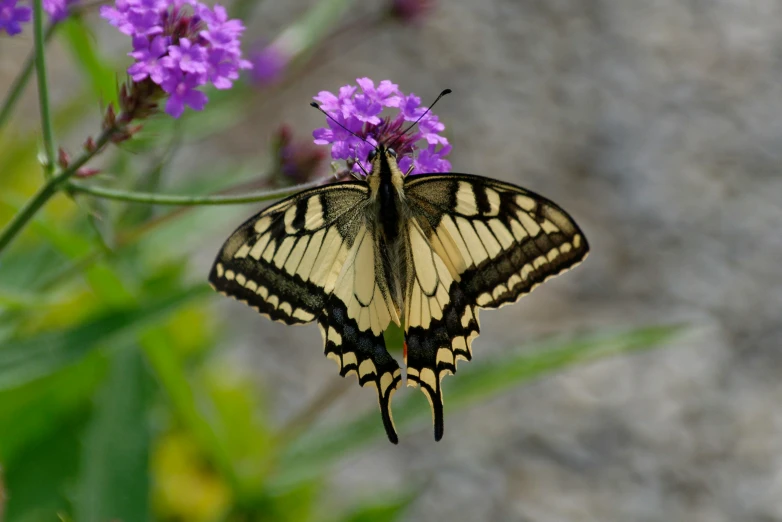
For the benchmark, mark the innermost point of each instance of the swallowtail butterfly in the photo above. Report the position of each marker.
(425, 252)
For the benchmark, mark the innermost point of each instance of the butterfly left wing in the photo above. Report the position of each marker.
(312, 256)
(285, 260)
(474, 242)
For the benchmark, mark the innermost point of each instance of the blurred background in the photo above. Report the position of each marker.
(643, 386)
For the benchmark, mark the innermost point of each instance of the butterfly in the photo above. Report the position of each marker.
(425, 252)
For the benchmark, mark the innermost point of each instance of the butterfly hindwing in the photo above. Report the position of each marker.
(354, 319)
(474, 243)
(440, 322)
(361, 352)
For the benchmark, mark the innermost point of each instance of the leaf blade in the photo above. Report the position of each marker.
(312, 453)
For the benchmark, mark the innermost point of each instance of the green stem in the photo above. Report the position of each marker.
(43, 89)
(49, 189)
(21, 81)
(164, 199)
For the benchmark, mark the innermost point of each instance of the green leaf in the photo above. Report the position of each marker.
(292, 504)
(80, 41)
(37, 482)
(387, 511)
(33, 411)
(240, 423)
(313, 452)
(115, 481)
(25, 359)
(170, 373)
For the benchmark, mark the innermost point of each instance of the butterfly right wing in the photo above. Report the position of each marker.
(476, 243)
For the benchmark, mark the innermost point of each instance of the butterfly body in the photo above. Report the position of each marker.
(425, 252)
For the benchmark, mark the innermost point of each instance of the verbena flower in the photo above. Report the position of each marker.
(361, 113)
(298, 161)
(180, 45)
(269, 64)
(12, 16)
(57, 9)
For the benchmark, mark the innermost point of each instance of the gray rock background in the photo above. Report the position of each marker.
(657, 124)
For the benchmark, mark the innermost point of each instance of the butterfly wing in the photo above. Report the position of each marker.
(353, 321)
(312, 256)
(479, 243)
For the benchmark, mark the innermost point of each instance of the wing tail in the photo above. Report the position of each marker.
(361, 352)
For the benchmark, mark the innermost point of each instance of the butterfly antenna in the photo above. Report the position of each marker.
(329, 116)
(446, 91)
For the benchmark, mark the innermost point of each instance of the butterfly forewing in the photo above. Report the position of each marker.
(502, 240)
(475, 243)
(285, 260)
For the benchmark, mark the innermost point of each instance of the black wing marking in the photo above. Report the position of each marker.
(285, 260)
(473, 243)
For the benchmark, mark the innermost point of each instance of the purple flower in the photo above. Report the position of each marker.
(362, 114)
(181, 88)
(187, 57)
(386, 93)
(429, 127)
(136, 17)
(180, 45)
(222, 32)
(410, 107)
(223, 68)
(57, 9)
(431, 160)
(342, 103)
(268, 65)
(147, 54)
(12, 16)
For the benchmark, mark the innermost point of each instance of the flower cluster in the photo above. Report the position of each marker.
(57, 9)
(12, 16)
(269, 64)
(360, 113)
(180, 45)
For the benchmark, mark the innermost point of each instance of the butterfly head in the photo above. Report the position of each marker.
(384, 162)
(381, 156)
